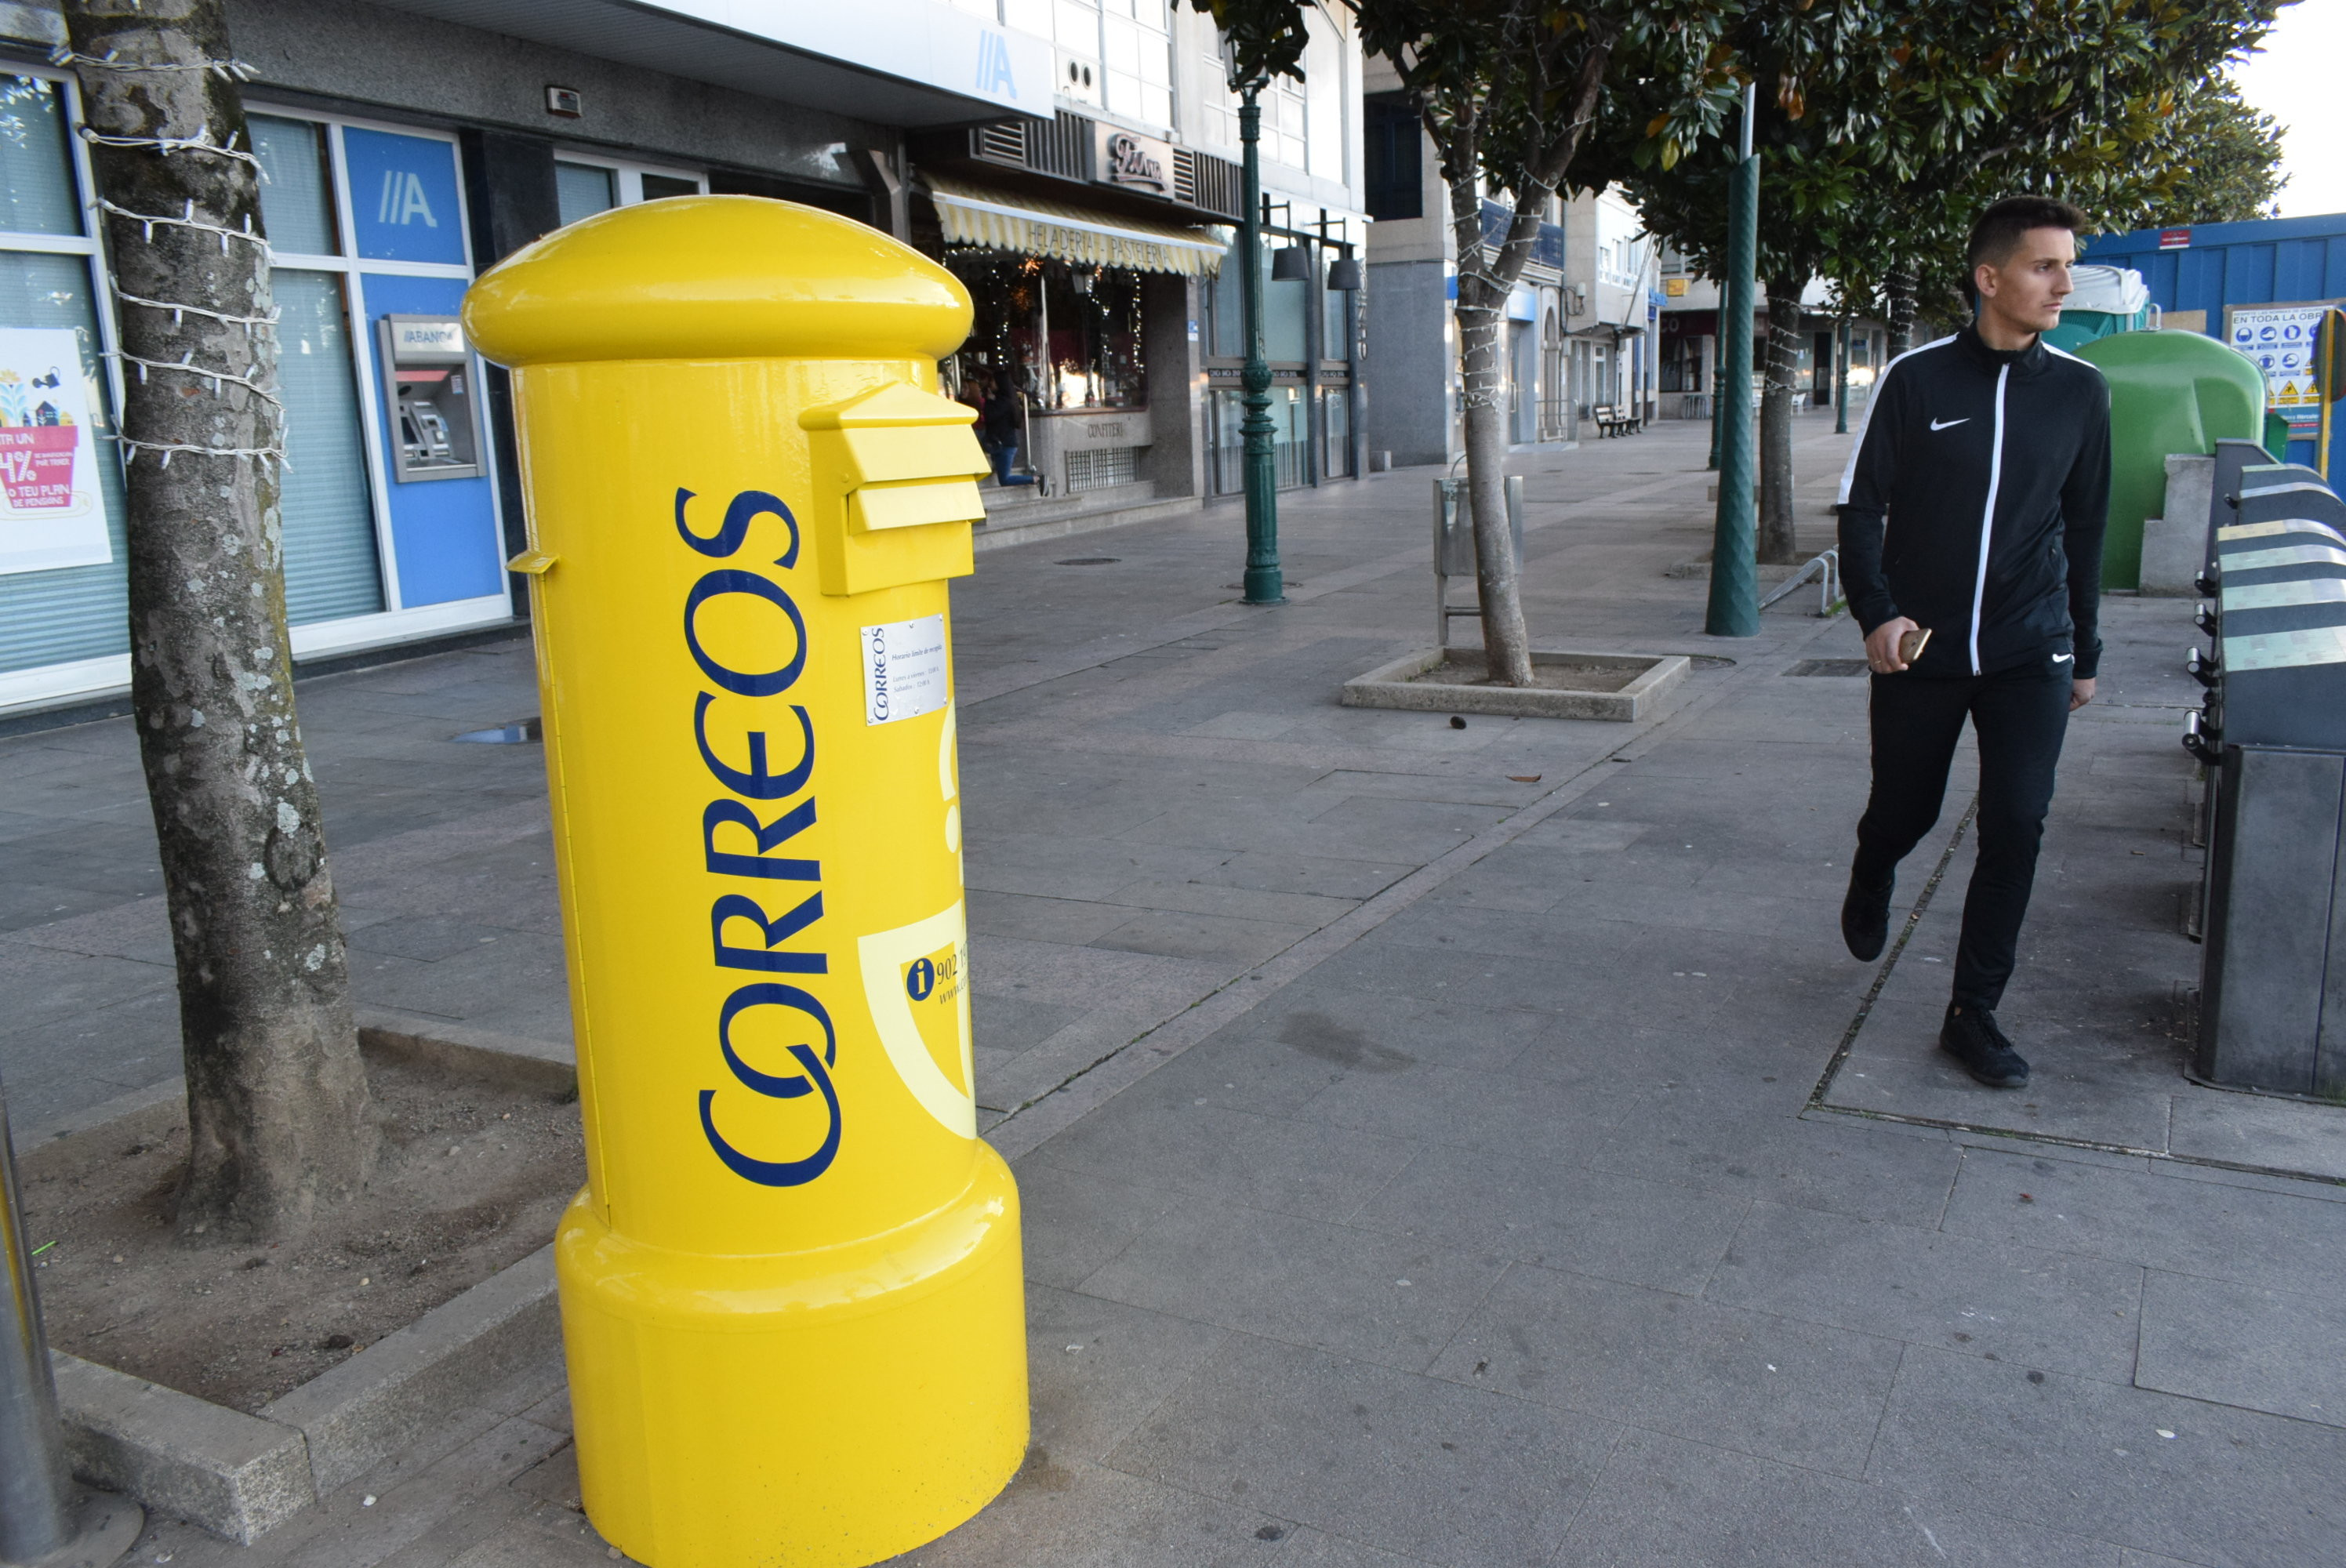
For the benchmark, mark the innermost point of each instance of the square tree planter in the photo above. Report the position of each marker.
(1612, 686)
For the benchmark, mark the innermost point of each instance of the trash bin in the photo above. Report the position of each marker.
(2272, 993)
(790, 1291)
(1454, 547)
(2169, 393)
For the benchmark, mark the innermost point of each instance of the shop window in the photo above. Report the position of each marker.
(297, 196)
(1290, 441)
(60, 615)
(1069, 336)
(330, 569)
(1336, 460)
(1335, 317)
(584, 189)
(37, 179)
(62, 624)
(1286, 311)
(585, 186)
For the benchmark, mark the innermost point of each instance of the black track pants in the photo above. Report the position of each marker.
(2019, 716)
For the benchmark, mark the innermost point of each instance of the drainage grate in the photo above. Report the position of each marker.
(1089, 561)
(1829, 666)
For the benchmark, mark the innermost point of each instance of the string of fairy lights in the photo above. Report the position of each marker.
(217, 378)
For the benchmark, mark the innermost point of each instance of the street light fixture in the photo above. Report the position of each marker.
(1265, 584)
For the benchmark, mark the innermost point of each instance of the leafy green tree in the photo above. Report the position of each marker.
(2094, 100)
(1512, 93)
(2215, 160)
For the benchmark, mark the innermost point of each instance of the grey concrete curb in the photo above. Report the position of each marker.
(240, 1475)
(1391, 686)
(234, 1474)
(506, 1061)
(383, 1398)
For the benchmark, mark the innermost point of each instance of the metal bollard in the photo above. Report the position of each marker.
(791, 1293)
(44, 1519)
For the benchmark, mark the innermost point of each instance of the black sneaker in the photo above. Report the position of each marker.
(1865, 918)
(1969, 1036)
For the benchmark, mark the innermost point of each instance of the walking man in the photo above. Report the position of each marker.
(1971, 511)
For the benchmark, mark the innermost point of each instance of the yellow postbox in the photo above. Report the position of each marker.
(790, 1291)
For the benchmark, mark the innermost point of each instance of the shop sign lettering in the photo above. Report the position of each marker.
(752, 787)
(1129, 159)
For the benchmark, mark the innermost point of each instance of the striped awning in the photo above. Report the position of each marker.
(999, 221)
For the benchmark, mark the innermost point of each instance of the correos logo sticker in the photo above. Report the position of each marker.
(750, 790)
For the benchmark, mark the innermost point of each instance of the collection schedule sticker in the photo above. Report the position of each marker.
(907, 670)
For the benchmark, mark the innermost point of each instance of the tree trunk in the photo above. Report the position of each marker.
(1779, 394)
(277, 1097)
(1900, 288)
(1482, 303)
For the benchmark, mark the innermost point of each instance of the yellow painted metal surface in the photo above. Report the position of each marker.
(790, 1291)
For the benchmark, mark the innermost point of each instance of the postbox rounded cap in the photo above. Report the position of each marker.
(715, 276)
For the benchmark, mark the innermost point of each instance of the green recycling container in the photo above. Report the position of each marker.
(2169, 393)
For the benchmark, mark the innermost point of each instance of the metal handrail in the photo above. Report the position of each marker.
(1826, 570)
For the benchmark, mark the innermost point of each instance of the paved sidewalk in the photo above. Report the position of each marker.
(1414, 1124)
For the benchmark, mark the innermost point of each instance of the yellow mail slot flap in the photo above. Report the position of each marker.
(911, 503)
(911, 452)
(899, 431)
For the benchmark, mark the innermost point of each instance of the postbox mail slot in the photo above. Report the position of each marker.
(907, 506)
(936, 450)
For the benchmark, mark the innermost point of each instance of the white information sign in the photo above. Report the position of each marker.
(2280, 339)
(907, 670)
(51, 512)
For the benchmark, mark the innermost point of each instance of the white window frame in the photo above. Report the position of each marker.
(394, 622)
(629, 181)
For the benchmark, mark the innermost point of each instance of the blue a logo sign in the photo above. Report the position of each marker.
(993, 65)
(404, 201)
(404, 205)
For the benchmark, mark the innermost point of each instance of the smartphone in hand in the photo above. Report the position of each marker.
(1911, 643)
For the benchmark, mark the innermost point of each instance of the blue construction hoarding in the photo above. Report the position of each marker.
(2256, 285)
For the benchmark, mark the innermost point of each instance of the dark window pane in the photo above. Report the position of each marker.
(1392, 151)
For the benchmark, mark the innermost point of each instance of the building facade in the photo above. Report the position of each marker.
(1073, 160)
(1099, 248)
(1688, 350)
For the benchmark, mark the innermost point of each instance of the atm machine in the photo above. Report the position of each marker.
(429, 389)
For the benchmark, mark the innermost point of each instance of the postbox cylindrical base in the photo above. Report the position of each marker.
(827, 1408)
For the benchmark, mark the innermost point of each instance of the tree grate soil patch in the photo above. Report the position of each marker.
(469, 1178)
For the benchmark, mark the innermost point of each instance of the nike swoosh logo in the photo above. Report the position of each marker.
(1944, 424)
(2063, 659)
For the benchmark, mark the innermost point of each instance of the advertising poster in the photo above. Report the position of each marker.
(51, 512)
(2280, 338)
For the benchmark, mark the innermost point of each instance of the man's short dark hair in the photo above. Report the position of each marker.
(1999, 228)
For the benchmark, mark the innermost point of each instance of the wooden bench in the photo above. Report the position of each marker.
(1613, 419)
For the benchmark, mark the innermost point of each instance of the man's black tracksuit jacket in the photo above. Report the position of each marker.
(1973, 504)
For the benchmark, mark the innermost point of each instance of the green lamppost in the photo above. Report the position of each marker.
(1264, 584)
(1734, 609)
(1841, 383)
